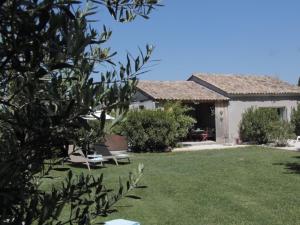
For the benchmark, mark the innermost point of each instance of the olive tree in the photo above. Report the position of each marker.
(49, 55)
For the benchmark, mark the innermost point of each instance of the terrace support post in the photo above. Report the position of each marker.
(222, 122)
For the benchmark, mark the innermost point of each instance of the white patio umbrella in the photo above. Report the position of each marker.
(95, 115)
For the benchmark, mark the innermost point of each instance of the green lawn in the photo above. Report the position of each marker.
(217, 187)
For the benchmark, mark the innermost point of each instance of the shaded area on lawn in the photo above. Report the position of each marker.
(292, 167)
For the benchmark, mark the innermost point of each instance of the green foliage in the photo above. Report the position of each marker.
(84, 197)
(92, 133)
(255, 124)
(179, 114)
(149, 130)
(295, 119)
(156, 130)
(48, 54)
(280, 131)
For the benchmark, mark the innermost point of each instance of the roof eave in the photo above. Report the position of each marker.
(191, 100)
(263, 94)
(145, 93)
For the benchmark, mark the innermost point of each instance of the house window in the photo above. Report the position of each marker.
(282, 112)
(141, 107)
(158, 105)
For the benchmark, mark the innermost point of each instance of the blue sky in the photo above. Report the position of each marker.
(217, 36)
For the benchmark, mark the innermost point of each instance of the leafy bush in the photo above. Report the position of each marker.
(280, 131)
(255, 124)
(295, 119)
(156, 130)
(182, 121)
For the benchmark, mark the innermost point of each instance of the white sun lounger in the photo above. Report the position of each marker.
(76, 156)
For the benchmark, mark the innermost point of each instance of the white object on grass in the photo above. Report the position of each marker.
(121, 222)
(294, 143)
(96, 115)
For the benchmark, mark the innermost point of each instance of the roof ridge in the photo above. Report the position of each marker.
(248, 84)
(163, 80)
(275, 76)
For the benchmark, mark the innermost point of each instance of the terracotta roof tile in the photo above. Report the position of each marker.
(242, 84)
(178, 90)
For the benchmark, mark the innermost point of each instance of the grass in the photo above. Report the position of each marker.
(245, 186)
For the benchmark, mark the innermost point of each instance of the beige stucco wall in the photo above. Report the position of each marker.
(140, 99)
(149, 104)
(237, 107)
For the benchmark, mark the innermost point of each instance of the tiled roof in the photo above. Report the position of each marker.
(255, 85)
(178, 90)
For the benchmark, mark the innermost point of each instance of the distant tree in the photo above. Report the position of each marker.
(299, 82)
(48, 54)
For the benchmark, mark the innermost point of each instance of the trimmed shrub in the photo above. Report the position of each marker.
(295, 119)
(280, 131)
(156, 130)
(255, 124)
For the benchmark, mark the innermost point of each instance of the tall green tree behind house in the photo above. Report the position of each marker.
(48, 54)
